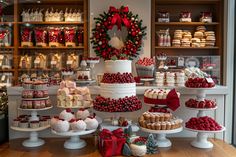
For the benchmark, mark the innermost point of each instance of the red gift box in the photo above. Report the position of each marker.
(111, 143)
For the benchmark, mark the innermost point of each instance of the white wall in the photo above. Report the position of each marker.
(140, 7)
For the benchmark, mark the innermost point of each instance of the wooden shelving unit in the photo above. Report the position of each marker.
(52, 23)
(15, 9)
(174, 7)
(186, 24)
(38, 48)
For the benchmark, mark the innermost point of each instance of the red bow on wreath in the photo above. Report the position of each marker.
(117, 19)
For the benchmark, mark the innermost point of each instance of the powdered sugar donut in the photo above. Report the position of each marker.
(82, 114)
(61, 126)
(66, 115)
(91, 122)
(78, 125)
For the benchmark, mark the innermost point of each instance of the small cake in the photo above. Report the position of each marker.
(24, 104)
(27, 94)
(91, 123)
(38, 94)
(48, 103)
(61, 125)
(16, 122)
(66, 115)
(78, 125)
(34, 124)
(36, 104)
(45, 93)
(82, 114)
(53, 121)
(23, 124)
(42, 104)
(43, 122)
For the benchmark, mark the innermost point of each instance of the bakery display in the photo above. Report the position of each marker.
(159, 121)
(70, 96)
(203, 123)
(205, 104)
(120, 94)
(35, 96)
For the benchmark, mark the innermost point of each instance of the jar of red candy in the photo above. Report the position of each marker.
(185, 16)
(55, 36)
(70, 33)
(26, 37)
(206, 17)
(40, 36)
(80, 37)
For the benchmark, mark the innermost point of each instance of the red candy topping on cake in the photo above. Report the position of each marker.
(127, 104)
(199, 83)
(200, 104)
(118, 78)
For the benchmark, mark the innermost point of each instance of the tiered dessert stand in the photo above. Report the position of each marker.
(75, 142)
(34, 140)
(202, 135)
(161, 139)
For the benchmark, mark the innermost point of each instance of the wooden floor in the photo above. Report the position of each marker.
(54, 148)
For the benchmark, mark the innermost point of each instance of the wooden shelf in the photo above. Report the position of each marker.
(7, 23)
(6, 47)
(199, 48)
(33, 69)
(38, 48)
(51, 23)
(185, 23)
(7, 70)
(187, 1)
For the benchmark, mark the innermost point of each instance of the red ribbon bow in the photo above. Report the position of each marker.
(172, 100)
(107, 133)
(117, 19)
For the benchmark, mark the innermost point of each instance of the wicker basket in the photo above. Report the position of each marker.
(145, 71)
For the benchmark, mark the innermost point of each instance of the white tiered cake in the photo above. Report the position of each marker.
(118, 88)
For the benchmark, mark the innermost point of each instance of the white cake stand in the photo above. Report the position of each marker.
(34, 113)
(33, 140)
(161, 139)
(74, 107)
(201, 139)
(200, 92)
(201, 111)
(109, 126)
(74, 142)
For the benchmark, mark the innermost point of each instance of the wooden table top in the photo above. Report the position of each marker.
(54, 148)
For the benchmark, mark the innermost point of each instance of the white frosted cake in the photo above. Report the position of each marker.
(117, 86)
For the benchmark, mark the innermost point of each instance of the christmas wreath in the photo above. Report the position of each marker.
(119, 17)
